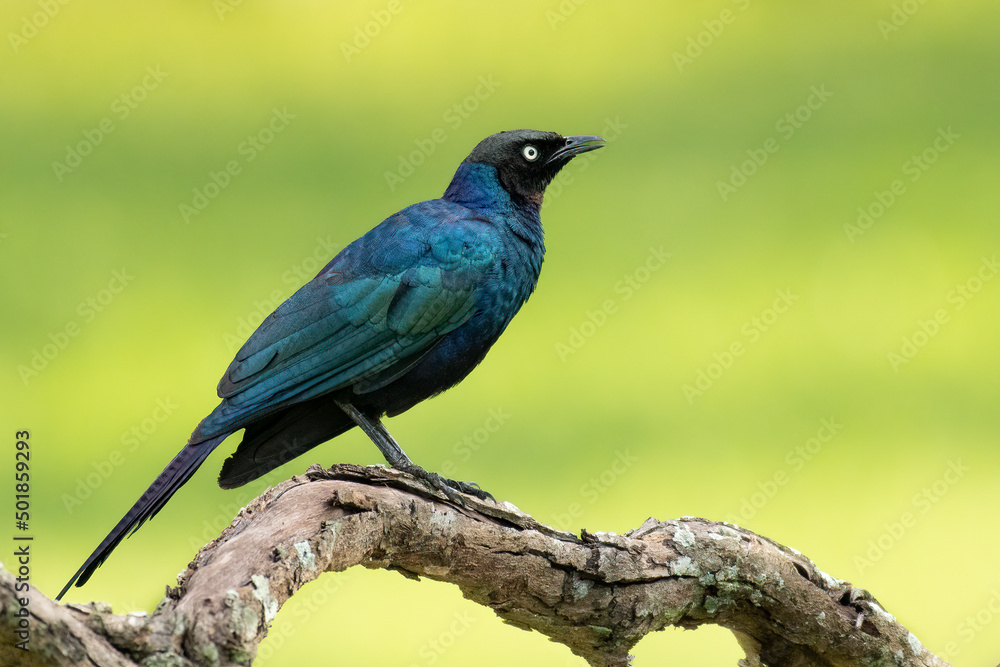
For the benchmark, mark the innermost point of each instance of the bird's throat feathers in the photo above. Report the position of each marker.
(477, 186)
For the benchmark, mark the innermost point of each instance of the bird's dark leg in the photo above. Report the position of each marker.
(386, 444)
(398, 459)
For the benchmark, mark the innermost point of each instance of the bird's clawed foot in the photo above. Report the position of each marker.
(449, 487)
(397, 458)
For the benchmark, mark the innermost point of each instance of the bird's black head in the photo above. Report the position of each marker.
(527, 160)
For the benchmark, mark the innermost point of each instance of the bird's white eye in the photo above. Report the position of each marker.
(530, 153)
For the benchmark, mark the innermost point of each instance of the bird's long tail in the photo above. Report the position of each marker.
(159, 492)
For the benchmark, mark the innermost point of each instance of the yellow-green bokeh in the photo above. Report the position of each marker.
(682, 126)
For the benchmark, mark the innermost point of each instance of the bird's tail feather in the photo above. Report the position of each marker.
(279, 438)
(159, 492)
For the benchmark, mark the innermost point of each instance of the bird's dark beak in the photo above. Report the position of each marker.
(579, 143)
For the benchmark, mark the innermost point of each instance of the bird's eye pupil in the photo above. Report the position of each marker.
(530, 153)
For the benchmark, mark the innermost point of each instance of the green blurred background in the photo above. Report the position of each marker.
(683, 93)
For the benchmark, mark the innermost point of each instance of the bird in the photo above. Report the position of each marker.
(403, 313)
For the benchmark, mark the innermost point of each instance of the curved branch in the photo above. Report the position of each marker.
(598, 593)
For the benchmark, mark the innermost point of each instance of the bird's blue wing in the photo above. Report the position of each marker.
(368, 316)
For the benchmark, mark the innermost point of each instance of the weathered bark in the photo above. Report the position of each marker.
(598, 594)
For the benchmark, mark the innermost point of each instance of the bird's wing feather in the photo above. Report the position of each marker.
(356, 319)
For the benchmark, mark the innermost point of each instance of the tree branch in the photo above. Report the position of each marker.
(598, 593)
